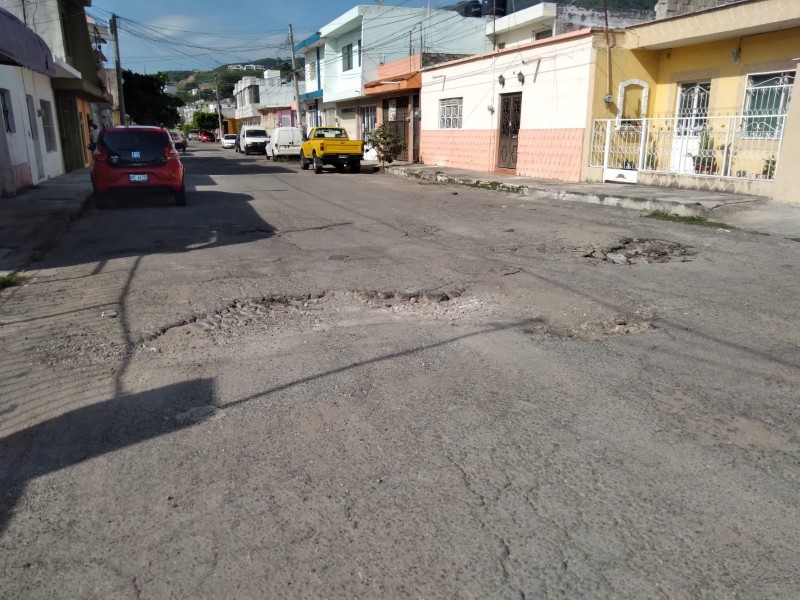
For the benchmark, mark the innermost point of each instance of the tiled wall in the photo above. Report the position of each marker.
(461, 148)
(550, 153)
(545, 153)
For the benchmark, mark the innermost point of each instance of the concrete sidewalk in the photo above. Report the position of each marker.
(32, 222)
(754, 213)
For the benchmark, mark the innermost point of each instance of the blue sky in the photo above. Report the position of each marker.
(160, 35)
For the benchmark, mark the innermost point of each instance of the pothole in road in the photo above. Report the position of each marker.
(317, 310)
(593, 329)
(631, 251)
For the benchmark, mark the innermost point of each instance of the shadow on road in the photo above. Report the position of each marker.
(94, 430)
(147, 224)
(212, 165)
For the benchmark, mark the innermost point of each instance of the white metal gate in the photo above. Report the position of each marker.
(739, 146)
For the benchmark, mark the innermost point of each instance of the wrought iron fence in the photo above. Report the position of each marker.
(714, 147)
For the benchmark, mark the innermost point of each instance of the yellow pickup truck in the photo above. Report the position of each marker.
(331, 146)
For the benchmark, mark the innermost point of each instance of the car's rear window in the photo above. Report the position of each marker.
(255, 133)
(125, 143)
(230, 136)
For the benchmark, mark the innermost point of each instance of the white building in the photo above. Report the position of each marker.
(266, 101)
(345, 54)
(30, 151)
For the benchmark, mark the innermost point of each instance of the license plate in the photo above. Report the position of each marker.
(344, 156)
(139, 178)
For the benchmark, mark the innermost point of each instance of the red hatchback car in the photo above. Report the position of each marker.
(207, 136)
(129, 158)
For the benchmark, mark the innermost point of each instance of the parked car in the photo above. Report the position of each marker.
(331, 146)
(178, 141)
(253, 139)
(136, 158)
(194, 134)
(284, 141)
(207, 136)
(229, 140)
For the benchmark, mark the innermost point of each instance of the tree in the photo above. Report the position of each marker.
(205, 120)
(146, 102)
(386, 142)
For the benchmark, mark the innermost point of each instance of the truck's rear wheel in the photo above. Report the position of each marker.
(355, 166)
(317, 164)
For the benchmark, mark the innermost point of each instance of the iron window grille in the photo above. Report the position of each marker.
(48, 126)
(8, 111)
(766, 100)
(451, 111)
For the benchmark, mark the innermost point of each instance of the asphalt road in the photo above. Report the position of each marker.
(356, 386)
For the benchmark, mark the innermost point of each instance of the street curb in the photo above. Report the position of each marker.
(621, 201)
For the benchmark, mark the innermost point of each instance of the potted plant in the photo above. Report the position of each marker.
(768, 172)
(705, 162)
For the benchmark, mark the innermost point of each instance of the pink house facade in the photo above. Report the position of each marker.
(523, 109)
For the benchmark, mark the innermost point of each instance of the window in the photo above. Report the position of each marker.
(544, 33)
(312, 71)
(450, 112)
(48, 126)
(359, 53)
(8, 111)
(692, 108)
(347, 57)
(766, 100)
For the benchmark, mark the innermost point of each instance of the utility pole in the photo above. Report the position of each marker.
(294, 75)
(123, 119)
(219, 106)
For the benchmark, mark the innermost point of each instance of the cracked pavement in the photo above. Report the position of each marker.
(353, 386)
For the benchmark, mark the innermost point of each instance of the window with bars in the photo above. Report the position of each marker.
(359, 53)
(451, 111)
(48, 126)
(766, 101)
(8, 111)
(347, 57)
(543, 33)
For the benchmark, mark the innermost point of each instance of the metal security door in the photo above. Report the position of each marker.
(395, 116)
(510, 111)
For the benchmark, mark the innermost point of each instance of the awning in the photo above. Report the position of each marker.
(311, 95)
(22, 47)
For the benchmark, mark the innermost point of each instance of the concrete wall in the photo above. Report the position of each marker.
(555, 96)
(786, 187)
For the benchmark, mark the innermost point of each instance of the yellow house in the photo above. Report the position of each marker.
(700, 101)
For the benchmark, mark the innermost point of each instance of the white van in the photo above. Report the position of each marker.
(284, 141)
(252, 138)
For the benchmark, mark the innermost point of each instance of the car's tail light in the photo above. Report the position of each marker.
(322, 147)
(172, 154)
(99, 155)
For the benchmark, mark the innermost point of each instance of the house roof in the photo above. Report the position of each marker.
(748, 17)
(514, 49)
